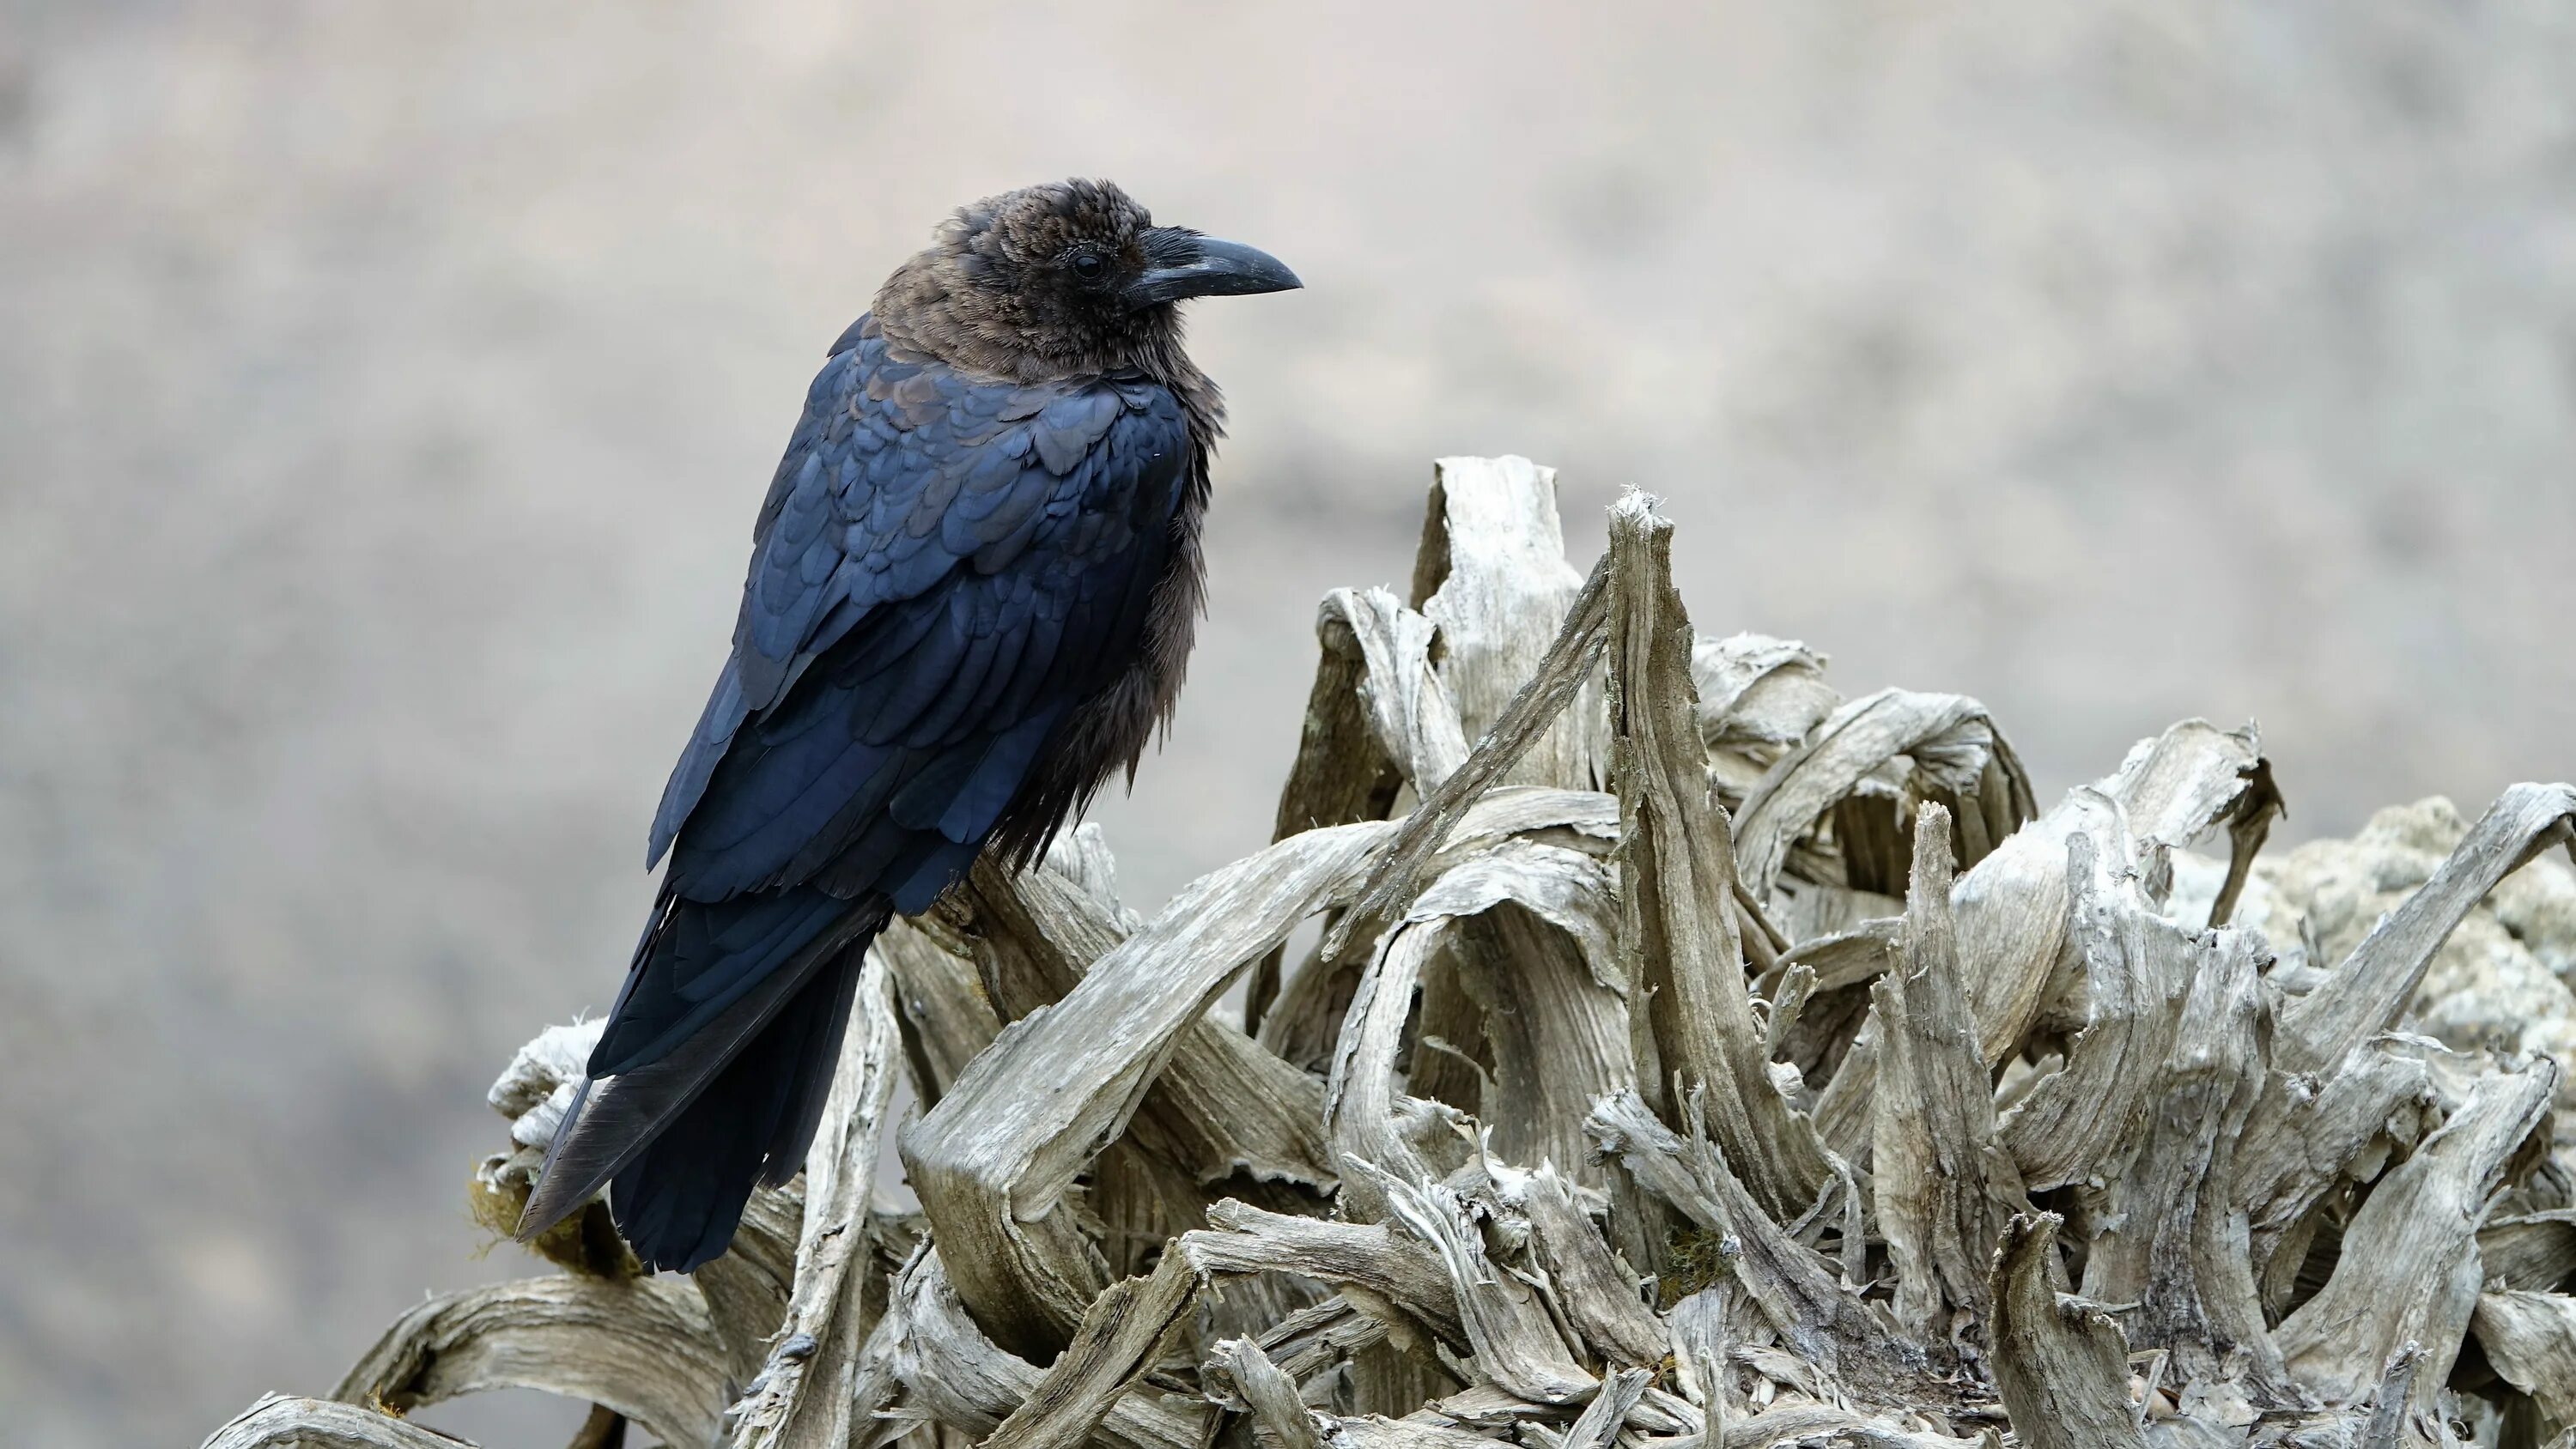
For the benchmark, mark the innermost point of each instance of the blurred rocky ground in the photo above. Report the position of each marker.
(385, 392)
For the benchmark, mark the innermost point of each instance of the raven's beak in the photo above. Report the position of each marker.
(1189, 265)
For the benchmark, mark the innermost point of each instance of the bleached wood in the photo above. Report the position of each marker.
(806, 1386)
(948, 1372)
(1596, 1297)
(2530, 1339)
(1221, 1108)
(2530, 1252)
(746, 1290)
(1598, 1426)
(940, 1006)
(1945, 1187)
(2372, 987)
(1560, 676)
(1415, 721)
(1513, 1341)
(280, 1422)
(644, 1347)
(1813, 1314)
(1320, 1338)
(1391, 1276)
(2306, 1137)
(1364, 1106)
(1628, 1144)
(2138, 969)
(2060, 1363)
(1491, 573)
(1757, 692)
(1119, 1339)
(1528, 928)
(2013, 907)
(1239, 1375)
(2172, 1241)
(1341, 774)
(1680, 935)
(1955, 749)
(2409, 1268)
(1801, 1424)
(1537, 954)
(993, 1160)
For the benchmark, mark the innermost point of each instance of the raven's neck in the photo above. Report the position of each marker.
(920, 314)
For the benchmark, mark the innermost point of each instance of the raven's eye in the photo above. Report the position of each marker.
(1088, 266)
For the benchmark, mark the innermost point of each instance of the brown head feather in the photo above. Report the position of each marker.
(1025, 286)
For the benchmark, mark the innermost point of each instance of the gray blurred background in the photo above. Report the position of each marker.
(386, 391)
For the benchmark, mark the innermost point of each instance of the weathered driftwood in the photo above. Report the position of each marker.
(2061, 1365)
(1682, 936)
(643, 1347)
(994, 1160)
(1945, 1186)
(1119, 1339)
(279, 1422)
(1691, 1058)
(1492, 564)
(802, 1398)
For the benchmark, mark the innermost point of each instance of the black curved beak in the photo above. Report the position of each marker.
(1186, 264)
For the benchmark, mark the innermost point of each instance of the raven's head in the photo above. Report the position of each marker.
(1063, 278)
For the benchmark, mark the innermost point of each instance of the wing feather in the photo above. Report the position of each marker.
(946, 566)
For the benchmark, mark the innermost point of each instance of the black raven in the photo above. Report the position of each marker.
(971, 595)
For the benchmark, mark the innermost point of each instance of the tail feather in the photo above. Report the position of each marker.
(679, 1200)
(686, 1135)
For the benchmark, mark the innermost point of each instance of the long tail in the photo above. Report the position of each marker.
(682, 1117)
